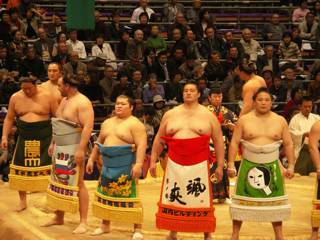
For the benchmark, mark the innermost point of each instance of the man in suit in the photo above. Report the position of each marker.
(44, 46)
(268, 59)
(74, 66)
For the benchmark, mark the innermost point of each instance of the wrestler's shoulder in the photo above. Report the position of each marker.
(83, 99)
(278, 118)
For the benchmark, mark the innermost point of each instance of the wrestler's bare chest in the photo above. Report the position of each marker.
(37, 105)
(195, 124)
(267, 129)
(68, 110)
(118, 133)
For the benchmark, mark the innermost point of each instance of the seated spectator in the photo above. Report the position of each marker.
(170, 10)
(198, 72)
(138, 109)
(215, 69)
(192, 14)
(6, 61)
(160, 67)
(107, 83)
(267, 75)
(211, 43)
(137, 84)
(274, 30)
(149, 59)
(173, 88)
(231, 42)
(314, 88)
(180, 42)
(104, 51)
(24, 6)
(152, 89)
(32, 65)
(176, 59)
(160, 108)
(143, 7)
(122, 88)
(62, 56)
(192, 46)
(143, 25)
(44, 46)
(114, 28)
(288, 50)
(250, 46)
(299, 13)
(123, 45)
(61, 37)
(314, 69)
(132, 66)
(204, 91)
(187, 68)
(73, 67)
(233, 59)
(89, 88)
(316, 11)
(309, 27)
(295, 98)
(180, 23)
(235, 92)
(136, 46)
(5, 27)
(268, 59)
(202, 24)
(99, 26)
(56, 26)
(8, 86)
(296, 38)
(278, 91)
(17, 46)
(15, 20)
(77, 45)
(156, 41)
(32, 23)
(290, 79)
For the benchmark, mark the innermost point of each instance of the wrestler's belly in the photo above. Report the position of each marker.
(34, 117)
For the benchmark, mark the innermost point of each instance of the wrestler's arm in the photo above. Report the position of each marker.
(288, 147)
(314, 138)
(247, 94)
(217, 138)
(86, 118)
(158, 144)
(8, 122)
(233, 147)
(95, 151)
(53, 106)
(139, 134)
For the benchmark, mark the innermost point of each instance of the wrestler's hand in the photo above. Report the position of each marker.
(50, 150)
(136, 171)
(4, 143)
(79, 156)
(232, 172)
(289, 173)
(152, 170)
(219, 174)
(89, 167)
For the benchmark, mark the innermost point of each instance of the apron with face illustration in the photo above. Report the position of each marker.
(260, 193)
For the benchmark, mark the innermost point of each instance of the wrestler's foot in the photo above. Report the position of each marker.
(137, 236)
(207, 236)
(100, 231)
(81, 229)
(314, 235)
(22, 206)
(172, 236)
(235, 236)
(221, 200)
(53, 222)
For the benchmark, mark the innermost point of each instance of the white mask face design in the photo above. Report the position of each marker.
(256, 178)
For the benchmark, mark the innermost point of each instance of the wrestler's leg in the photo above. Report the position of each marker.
(137, 234)
(57, 220)
(314, 234)
(172, 236)
(236, 226)
(207, 236)
(83, 203)
(23, 201)
(104, 228)
(277, 227)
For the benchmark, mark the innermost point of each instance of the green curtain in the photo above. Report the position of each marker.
(80, 14)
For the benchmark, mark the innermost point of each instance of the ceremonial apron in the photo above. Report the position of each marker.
(116, 197)
(259, 192)
(186, 200)
(62, 193)
(31, 164)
